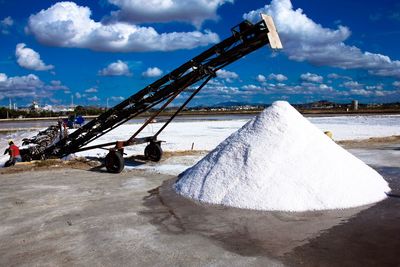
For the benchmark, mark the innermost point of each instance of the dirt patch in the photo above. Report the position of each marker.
(85, 163)
(168, 154)
(373, 142)
(50, 164)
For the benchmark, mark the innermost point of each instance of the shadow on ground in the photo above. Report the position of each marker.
(129, 162)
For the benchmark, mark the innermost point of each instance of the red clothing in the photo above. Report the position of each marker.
(14, 151)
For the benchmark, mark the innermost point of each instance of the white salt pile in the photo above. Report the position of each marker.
(280, 161)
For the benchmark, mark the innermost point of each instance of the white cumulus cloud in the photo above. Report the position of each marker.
(3, 77)
(93, 98)
(311, 77)
(336, 76)
(30, 59)
(261, 78)
(66, 24)
(152, 72)
(118, 68)
(5, 24)
(253, 88)
(352, 85)
(305, 40)
(91, 90)
(56, 85)
(362, 92)
(29, 86)
(277, 77)
(117, 98)
(227, 75)
(193, 11)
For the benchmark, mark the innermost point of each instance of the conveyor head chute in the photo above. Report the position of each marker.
(273, 36)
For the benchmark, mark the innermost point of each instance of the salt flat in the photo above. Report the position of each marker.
(207, 134)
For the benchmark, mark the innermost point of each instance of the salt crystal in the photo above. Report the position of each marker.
(280, 161)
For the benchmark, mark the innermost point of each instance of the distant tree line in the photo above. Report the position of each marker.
(21, 113)
(81, 110)
(13, 113)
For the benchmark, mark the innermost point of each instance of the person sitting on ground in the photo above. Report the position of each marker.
(15, 156)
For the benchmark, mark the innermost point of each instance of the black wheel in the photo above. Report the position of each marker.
(153, 152)
(26, 158)
(25, 141)
(114, 162)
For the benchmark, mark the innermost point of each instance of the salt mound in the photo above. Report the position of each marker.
(280, 161)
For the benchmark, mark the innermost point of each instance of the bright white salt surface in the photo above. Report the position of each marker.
(280, 161)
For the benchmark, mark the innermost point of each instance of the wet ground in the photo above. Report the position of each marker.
(370, 238)
(70, 217)
(79, 217)
(363, 236)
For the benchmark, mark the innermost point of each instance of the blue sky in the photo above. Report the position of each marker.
(99, 51)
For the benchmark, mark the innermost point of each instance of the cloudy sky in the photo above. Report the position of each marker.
(104, 51)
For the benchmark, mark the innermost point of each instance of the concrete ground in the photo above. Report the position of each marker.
(74, 217)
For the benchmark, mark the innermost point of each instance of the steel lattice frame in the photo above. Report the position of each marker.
(246, 38)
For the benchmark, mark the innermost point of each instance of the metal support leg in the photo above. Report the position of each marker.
(183, 105)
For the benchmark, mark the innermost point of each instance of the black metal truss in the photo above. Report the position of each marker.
(246, 38)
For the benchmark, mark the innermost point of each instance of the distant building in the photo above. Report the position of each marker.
(47, 107)
(354, 105)
(34, 106)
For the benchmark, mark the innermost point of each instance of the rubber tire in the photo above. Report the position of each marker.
(153, 152)
(26, 157)
(114, 162)
(26, 141)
